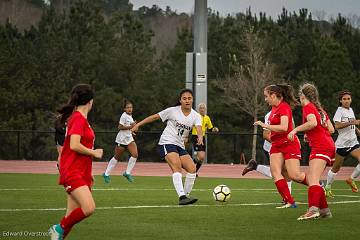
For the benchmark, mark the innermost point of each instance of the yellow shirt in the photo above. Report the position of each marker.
(205, 124)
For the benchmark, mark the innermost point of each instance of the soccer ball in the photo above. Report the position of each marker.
(221, 193)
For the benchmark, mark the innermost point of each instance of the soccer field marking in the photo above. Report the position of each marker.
(167, 206)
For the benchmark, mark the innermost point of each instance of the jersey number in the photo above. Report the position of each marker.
(180, 132)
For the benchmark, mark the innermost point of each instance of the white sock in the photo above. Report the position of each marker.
(178, 184)
(189, 182)
(330, 177)
(356, 172)
(264, 170)
(130, 165)
(112, 163)
(289, 185)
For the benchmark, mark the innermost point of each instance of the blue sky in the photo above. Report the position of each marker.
(271, 7)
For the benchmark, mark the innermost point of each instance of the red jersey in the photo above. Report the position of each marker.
(72, 164)
(283, 109)
(318, 137)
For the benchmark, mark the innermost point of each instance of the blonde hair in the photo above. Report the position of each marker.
(312, 94)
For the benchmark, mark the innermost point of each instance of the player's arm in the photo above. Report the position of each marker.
(199, 135)
(149, 119)
(340, 125)
(267, 135)
(211, 127)
(76, 146)
(122, 127)
(330, 126)
(358, 131)
(311, 123)
(282, 127)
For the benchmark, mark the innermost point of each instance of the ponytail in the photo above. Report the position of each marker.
(284, 91)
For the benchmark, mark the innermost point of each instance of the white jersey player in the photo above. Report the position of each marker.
(180, 120)
(124, 141)
(346, 142)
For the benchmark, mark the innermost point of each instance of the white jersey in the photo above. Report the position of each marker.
(125, 137)
(178, 125)
(347, 136)
(267, 144)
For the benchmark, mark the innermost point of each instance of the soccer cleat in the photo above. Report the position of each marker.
(312, 213)
(106, 178)
(328, 192)
(325, 213)
(128, 177)
(352, 184)
(56, 232)
(251, 166)
(184, 200)
(287, 205)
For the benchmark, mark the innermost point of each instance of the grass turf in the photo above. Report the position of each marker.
(147, 209)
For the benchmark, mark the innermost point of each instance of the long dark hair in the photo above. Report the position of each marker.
(343, 93)
(284, 90)
(185, 90)
(81, 94)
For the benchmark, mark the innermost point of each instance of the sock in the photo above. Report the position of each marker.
(323, 201)
(74, 217)
(284, 191)
(330, 177)
(315, 193)
(264, 170)
(189, 182)
(198, 165)
(289, 185)
(112, 163)
(177, 181)
(356, 172)
(130, 165)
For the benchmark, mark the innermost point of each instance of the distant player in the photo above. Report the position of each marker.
(76, 160)
(206, 125)
(318, 128)
(180, 120)
(264, 169)
(124, 141)
(283, 152)
(346, 142)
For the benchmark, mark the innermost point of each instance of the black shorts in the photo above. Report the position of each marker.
(198, 148)
(121, 145)
(163, 150)
(346, 151)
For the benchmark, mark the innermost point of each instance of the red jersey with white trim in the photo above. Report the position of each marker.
(73, 164)
(283, 109)
(318, 137)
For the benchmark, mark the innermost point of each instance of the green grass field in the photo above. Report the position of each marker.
(147, 209)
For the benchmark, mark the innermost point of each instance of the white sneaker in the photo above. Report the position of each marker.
(56, 232)
(312, 213)
(325, 213)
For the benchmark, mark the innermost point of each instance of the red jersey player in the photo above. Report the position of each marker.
(76, 160)
(317, 127)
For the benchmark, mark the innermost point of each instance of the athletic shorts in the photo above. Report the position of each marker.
(163, 150)
(197, 147)
(121, 145)
(290, 150)
(328, 156)
(346, 151)
(74, 182)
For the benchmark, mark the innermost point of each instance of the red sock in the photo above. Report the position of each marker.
(323, 202)
(315, 193)
(283, 189)
(74, 217)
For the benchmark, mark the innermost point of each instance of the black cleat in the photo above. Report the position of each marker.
(251, 166)
(184, 200)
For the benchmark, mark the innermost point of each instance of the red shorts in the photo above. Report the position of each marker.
(328, 156)
(71, 183)
(290, 150)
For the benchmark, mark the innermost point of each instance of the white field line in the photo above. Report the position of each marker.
(165, 206)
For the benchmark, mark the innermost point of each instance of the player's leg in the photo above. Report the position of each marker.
(189, 166)
(339, 159)
(350, 181)
(132, 148)
(113, 162)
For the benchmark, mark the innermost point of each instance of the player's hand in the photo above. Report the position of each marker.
(305, 138)
(215, 129)
(259, 123)
(134, 129)
(200, 141)
(356, 122)
(98, 153)
(291, 135)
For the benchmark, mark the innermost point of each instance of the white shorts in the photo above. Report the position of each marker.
(124, 141)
